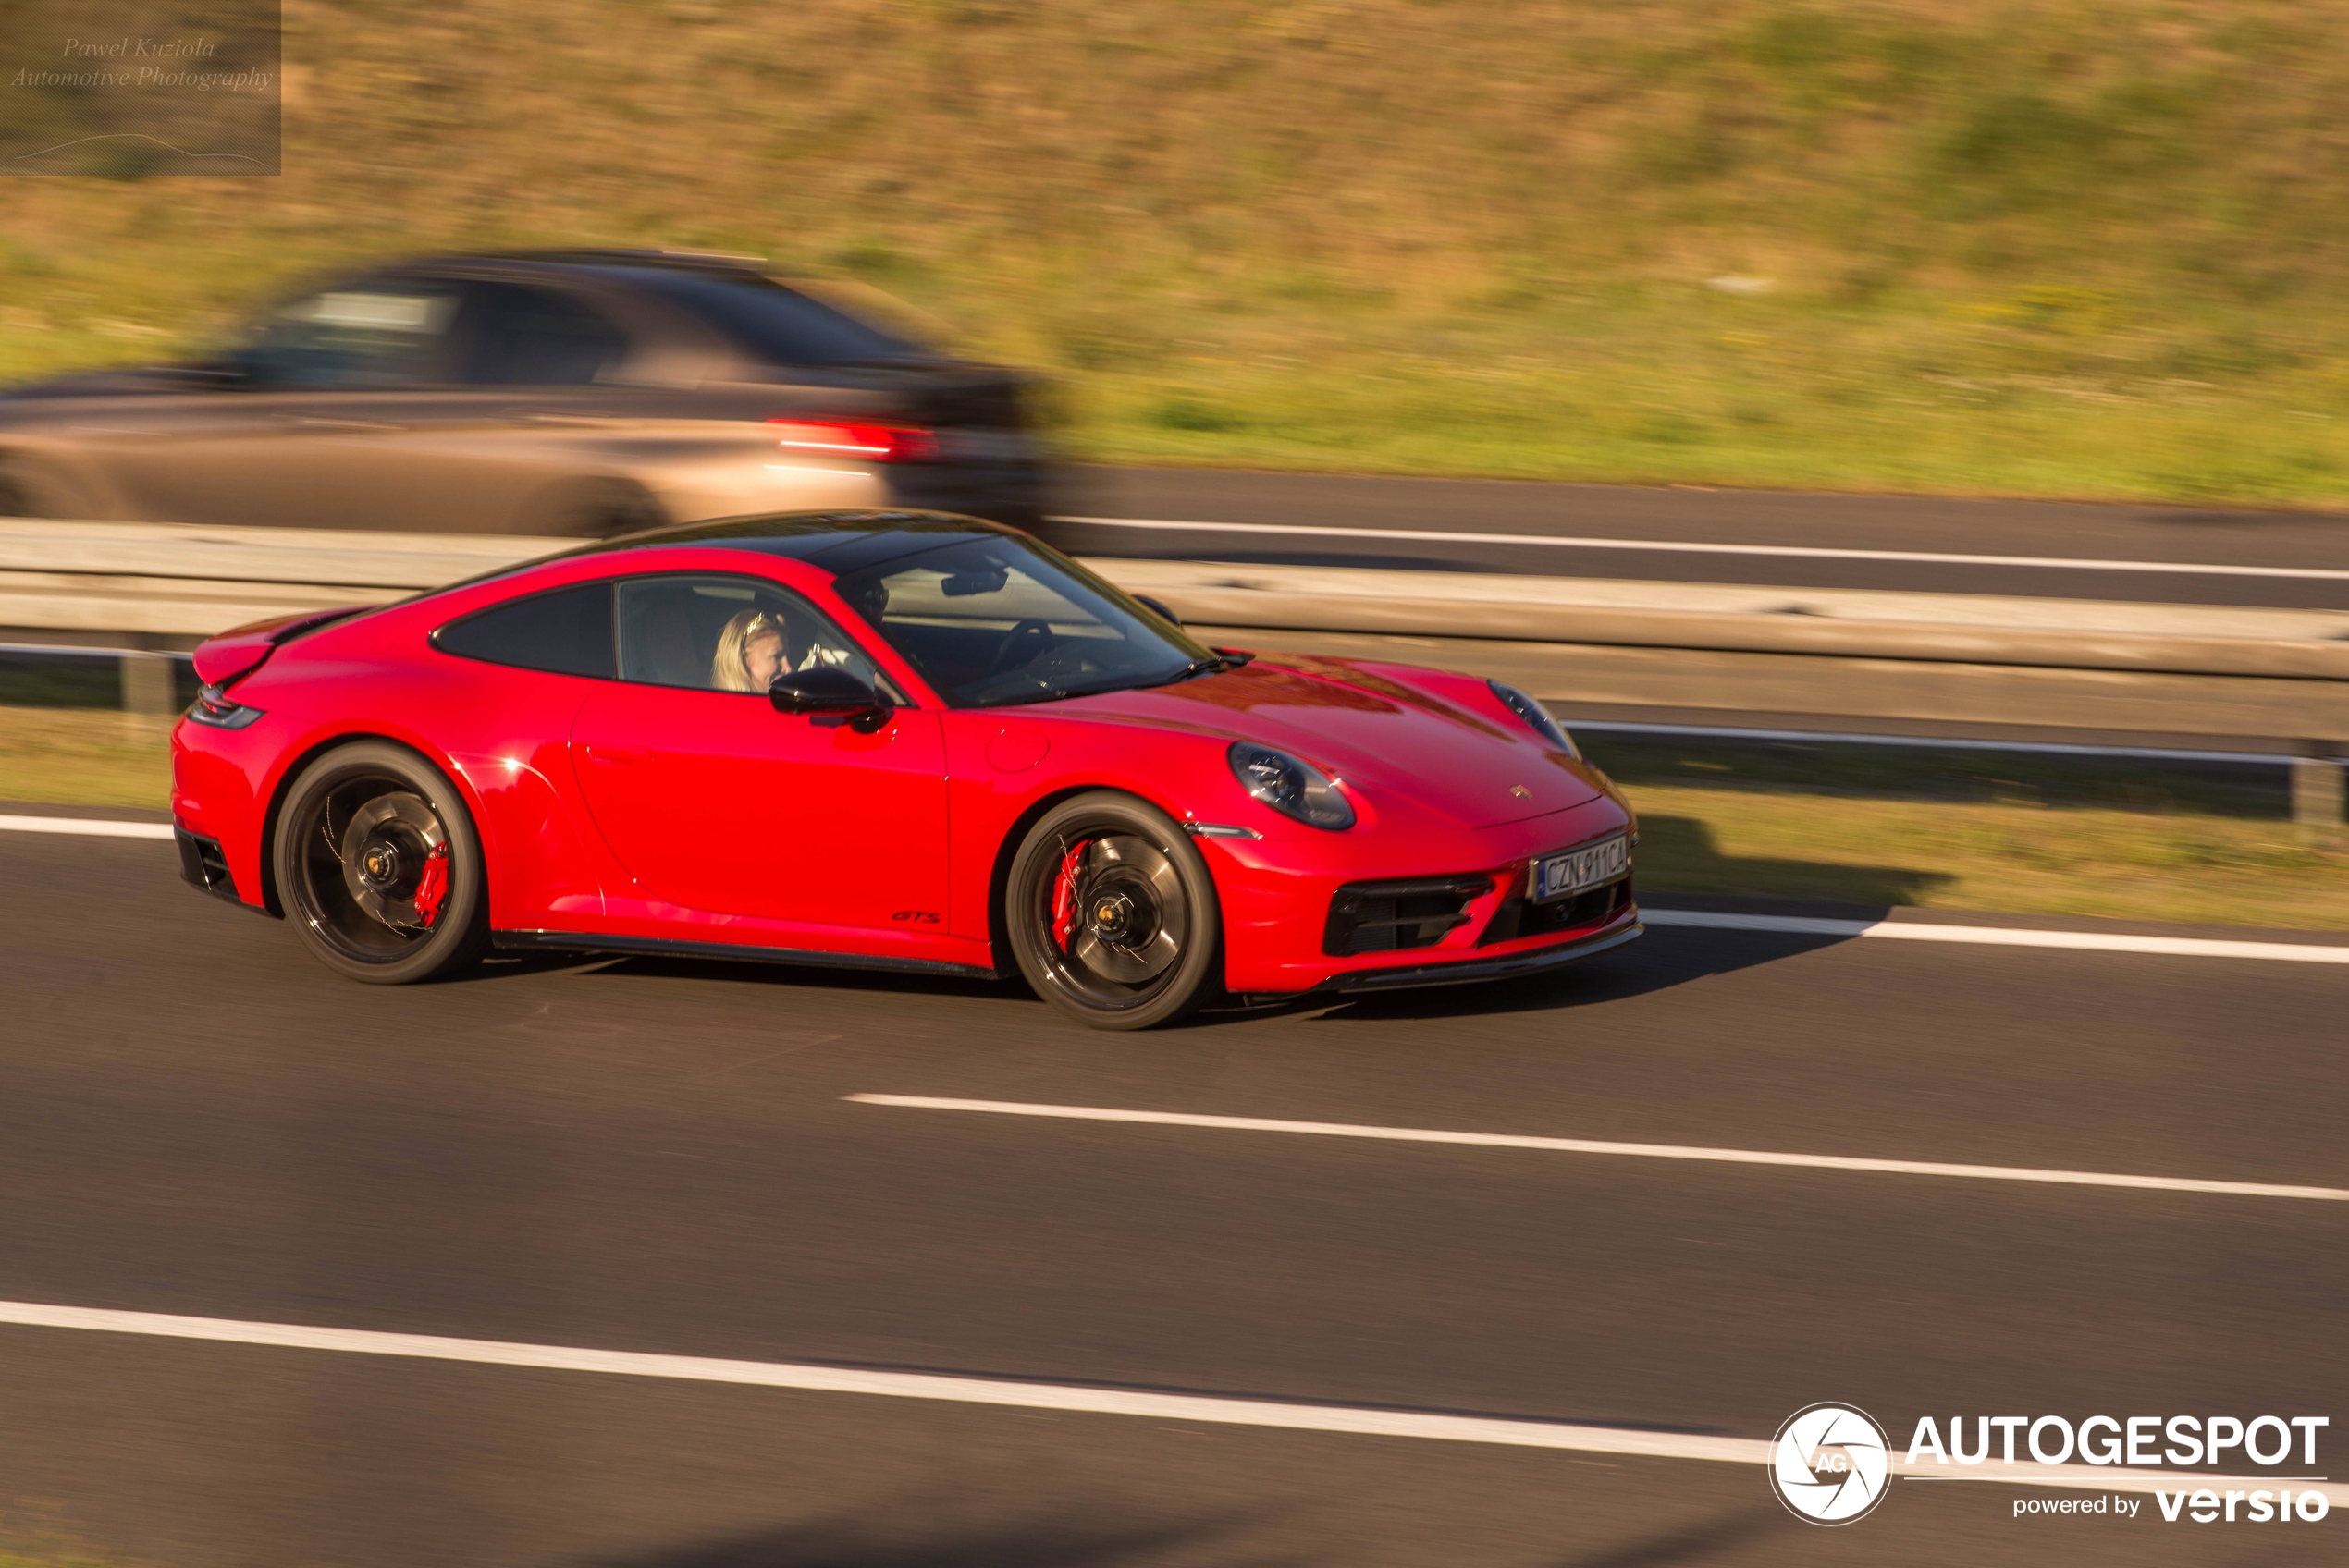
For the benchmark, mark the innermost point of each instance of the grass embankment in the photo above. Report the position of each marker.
(2119, 841)
(77, 757)
(2118, 838)
(2083, 247)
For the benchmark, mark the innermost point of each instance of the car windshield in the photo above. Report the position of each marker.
(995, 621)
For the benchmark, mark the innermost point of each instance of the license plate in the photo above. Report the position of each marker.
(1557, 877)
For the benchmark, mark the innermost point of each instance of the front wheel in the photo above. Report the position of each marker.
(1110, 913)
(380, 868)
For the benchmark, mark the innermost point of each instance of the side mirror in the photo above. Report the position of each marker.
(829, 692)
(1158, 609)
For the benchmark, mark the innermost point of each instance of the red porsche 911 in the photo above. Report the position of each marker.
(890, 739)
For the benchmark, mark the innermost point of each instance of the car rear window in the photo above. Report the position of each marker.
(568, 632)
(775, 325)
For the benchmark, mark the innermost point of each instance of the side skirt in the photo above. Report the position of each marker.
(662, 947)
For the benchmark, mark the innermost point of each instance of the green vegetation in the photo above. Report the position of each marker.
(2083, 247)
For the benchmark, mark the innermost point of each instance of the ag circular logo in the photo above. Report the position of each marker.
(1830, 1463)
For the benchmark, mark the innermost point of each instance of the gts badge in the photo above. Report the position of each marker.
(915, 917)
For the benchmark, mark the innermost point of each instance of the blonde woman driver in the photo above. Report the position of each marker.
(750, 652)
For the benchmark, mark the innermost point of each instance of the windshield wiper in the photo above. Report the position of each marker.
(1213, 664)
(1208, 666)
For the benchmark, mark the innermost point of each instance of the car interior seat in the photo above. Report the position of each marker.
(665, 647)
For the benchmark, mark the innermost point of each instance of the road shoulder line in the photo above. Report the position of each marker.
(1997, 936)
(87, 827)
(1591, 1145)
(1349, 1420)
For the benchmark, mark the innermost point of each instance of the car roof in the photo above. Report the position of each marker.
(839, 541)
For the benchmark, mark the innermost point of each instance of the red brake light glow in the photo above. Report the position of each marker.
(869, 443)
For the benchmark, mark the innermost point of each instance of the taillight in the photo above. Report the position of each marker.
(867, 443)
(221, 711)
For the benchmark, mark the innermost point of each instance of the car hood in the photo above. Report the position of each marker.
(1374, 730)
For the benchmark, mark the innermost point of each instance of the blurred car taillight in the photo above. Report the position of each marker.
(870, 443)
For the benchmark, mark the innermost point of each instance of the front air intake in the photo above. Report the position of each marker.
(1384, 917)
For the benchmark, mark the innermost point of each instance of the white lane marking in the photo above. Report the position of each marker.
(900, 1385)
(2001, 936)
(1590, 1145)
(90, 826)
(1351, 1420)
(1808, 552)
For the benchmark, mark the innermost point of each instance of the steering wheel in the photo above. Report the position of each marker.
(1041, 630)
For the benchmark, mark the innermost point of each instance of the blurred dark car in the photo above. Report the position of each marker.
(556, 393)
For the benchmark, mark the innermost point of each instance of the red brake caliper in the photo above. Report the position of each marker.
(1065, 895)
(432, 886)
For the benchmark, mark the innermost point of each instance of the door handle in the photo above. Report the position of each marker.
(617, 756)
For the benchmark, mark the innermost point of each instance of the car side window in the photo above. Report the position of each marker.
(729, 633)
(522, 336)
(382, 332)
(565, 633)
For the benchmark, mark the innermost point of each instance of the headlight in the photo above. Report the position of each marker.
(1536, 716)
(1290, 786)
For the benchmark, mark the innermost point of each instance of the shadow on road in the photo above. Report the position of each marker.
(1657, 963)
(1690, 859)
(1692, 1544)
(765, 972)
(1684, 847)
(842, 1544)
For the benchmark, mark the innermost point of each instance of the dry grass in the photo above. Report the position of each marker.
(2073, 246)
(2127, 865)
(82, 756)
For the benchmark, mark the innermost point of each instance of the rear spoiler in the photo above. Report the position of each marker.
(237, 653)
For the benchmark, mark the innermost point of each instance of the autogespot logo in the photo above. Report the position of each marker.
(1830, 1463)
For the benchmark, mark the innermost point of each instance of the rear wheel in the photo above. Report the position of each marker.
(380, 868)
(1111, 913)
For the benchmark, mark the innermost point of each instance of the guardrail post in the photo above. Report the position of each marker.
(2318, 795)
(147, 685)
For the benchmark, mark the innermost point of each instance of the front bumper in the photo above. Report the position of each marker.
(1276, 895)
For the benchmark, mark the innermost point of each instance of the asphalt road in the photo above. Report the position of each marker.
(644, 1156)
(2121, 538)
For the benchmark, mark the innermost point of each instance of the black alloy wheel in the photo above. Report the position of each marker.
(1112, 914)
(379, 868)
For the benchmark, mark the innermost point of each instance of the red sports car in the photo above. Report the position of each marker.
(890, 739)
